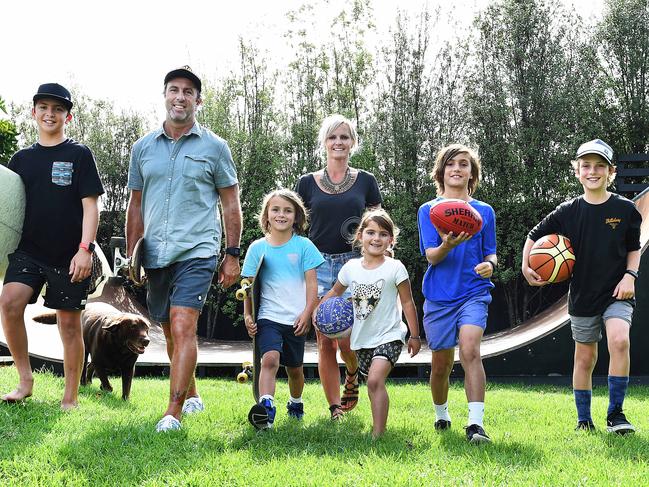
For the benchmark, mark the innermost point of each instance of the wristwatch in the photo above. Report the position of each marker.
(233, 251)
(87, 246)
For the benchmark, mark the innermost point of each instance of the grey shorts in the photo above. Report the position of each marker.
(588, 329)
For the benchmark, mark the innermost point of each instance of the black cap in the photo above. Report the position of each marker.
(184, 72)
(56, 91)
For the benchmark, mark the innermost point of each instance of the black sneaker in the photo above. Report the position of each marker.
(585, 425)
(442, 424)
(476, 434)
(617, 423)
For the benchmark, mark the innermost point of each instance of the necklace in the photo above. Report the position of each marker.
(336, 188)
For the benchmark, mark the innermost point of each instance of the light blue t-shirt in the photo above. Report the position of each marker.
(283, 286)
(453, 280)
(179, 180)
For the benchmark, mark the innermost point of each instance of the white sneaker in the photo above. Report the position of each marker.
(193, 405)
(168, 423)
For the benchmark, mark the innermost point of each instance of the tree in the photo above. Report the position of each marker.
(8, 136)
(528, 102)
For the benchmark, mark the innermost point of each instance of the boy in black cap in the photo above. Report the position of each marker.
(62, 187)
(604, 229)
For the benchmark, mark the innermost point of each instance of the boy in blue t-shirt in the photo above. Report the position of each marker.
(289, 294)
(604, 230)
(457, 288)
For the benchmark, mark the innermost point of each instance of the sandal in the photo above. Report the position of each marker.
(350, 393)
(336, 412)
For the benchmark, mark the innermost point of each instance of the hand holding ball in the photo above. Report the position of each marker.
(457, 216)
(552, 258)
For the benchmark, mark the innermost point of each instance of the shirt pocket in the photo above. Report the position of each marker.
(62, 173)
(196, 167)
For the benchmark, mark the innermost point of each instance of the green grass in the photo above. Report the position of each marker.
(111, 442)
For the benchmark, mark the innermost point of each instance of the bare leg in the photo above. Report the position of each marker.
(183, 360)
(474, 375)
(378, 393)
(617, 335)
(166, 328)
(269, 367)
(328, 368)
(585, 359)
(13, 302)
(69, 322)
(295, 380)
(440, 370)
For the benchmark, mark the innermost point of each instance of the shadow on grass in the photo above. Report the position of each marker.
(109, 399)
(506, 453)
(634, 447)
(26, 423)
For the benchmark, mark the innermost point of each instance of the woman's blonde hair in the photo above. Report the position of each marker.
(301, 214)
(446, 154)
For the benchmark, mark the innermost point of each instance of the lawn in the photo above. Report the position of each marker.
(111, 442)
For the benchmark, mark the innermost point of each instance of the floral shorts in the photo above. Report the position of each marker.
(387, 351)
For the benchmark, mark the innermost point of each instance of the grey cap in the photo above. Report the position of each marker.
(596, 146)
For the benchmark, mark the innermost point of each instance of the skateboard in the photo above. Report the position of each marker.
(251, 289)
(246, 373)
(130, 267)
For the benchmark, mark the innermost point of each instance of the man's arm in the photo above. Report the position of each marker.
(229, 269)
(81, 263)
(134, 221)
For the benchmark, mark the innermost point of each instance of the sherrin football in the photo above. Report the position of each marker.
(457, 216)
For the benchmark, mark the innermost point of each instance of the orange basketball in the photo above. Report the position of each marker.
(552, 258)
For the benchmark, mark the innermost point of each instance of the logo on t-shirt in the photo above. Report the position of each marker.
(366, 297)
(613, 222)
(62, 173)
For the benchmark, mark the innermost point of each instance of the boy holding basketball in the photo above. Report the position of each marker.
(604, 229)
(457, 288)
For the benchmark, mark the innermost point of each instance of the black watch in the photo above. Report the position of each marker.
(233, 251)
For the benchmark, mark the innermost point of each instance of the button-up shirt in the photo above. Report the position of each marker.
(179, 180)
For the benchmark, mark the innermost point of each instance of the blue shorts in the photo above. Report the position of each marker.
(442, 323)
(328, 271)
(280, 338)
(184, 283)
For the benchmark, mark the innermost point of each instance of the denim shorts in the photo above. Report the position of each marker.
(328, 271)
(442, 323)
(386, 351)
(272, 336)
(60, 293)
(184, 283)
(588, 329)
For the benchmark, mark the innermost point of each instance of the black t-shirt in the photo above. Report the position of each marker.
(56, 179)
(601, 236)
(335, 217)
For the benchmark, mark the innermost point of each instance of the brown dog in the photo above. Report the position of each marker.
(114, 341)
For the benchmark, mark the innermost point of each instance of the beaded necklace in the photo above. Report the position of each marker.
(336, 188)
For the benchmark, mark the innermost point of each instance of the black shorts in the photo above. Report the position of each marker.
(387, 351)
(61, 293)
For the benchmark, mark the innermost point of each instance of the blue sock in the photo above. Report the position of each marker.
(616, 392)
(582, 401)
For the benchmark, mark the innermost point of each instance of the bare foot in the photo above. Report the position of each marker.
(20, 393)
(69, 406)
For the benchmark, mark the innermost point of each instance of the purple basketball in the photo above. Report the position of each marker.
(335, 317)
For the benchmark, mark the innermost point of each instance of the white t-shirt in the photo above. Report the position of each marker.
(377, 308)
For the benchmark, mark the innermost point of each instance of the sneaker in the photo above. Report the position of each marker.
(442, 424)
(168, 423)
(617, 423)
(295, 409)
(193, 405)
(476, 434)
(585, 425)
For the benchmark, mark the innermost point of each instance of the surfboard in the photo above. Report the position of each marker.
(12, 214)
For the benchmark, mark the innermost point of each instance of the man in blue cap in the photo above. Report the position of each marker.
(178, 175)
(62, 187)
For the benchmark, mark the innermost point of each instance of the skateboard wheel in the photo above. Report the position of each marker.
(242, 378)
